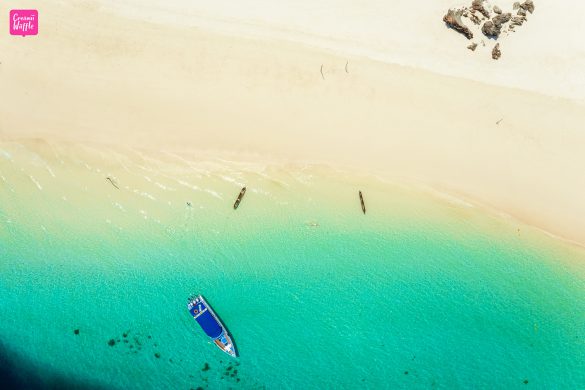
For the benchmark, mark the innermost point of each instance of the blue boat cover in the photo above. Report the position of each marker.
(210, 326)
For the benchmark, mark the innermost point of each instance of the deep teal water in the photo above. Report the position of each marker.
(453, 300)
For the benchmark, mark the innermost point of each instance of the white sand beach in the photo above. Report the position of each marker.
(377, 88)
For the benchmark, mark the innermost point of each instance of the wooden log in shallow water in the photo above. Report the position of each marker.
(362, 202)
(240, 196)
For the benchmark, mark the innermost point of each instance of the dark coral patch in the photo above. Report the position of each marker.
(405, 372)
(112, 342)
(76, 331)
(525, 381)
(157, 355)
(205, 367)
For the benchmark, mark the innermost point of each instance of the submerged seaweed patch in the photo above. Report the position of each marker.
(134, 343)
(76, 331)
(205, 367)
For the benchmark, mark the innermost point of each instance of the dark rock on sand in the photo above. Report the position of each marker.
(478, 6)
(497, 9)
(493, 28)
(522, 12)
(517, 21)
(516, 5)
(496, 53)
(112, 342)
(472, 47)
(157, 355)
(489, 29)
(528, 5)
(474, 19)
(453, 20)
(76, 331)
(499, 20)
(205, 367)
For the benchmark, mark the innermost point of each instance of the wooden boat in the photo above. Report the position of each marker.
(240, 196)
(362, 202)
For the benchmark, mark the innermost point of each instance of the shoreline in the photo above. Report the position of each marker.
(142, 85)
(186, 173)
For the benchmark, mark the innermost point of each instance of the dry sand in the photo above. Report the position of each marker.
(92, 76)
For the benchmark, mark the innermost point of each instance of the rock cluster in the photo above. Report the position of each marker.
(492, 27)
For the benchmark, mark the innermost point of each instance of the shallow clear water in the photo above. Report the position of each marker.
(419, 293)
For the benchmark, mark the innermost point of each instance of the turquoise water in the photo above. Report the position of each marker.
(419, 293)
